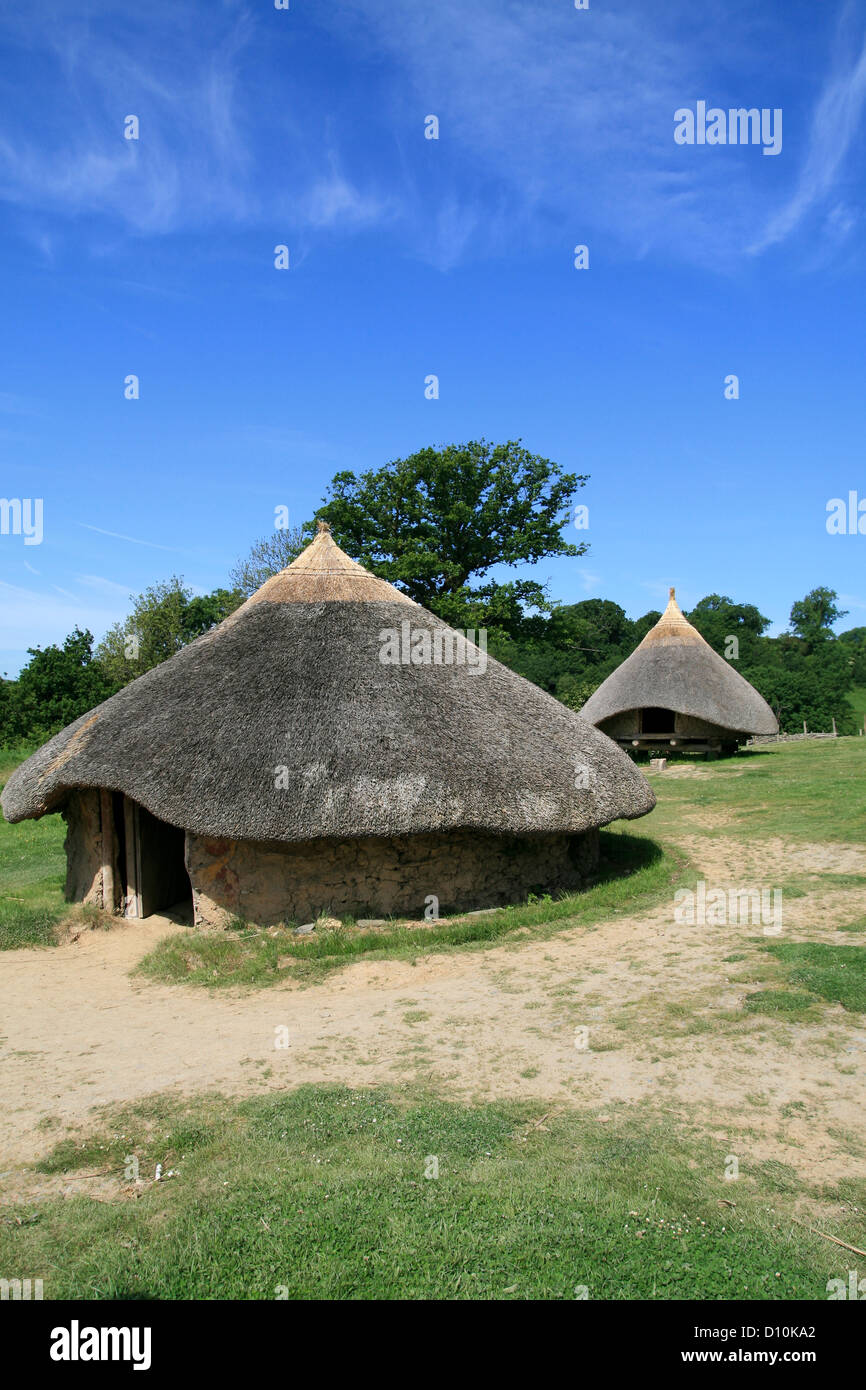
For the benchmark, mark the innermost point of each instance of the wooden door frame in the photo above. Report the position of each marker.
(132, 900)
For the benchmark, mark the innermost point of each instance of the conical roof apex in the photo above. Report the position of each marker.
(673, 629)
(323, 573)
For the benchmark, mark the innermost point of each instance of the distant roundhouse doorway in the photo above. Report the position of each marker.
(657, 721)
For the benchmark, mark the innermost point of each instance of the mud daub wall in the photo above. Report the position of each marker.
(691, 727)
(84, 847)
(627, 725)
(268, 883)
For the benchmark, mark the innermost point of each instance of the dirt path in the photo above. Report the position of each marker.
(77, 1032)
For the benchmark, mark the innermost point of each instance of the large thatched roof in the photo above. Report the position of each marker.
(675, 668)
(293, 680)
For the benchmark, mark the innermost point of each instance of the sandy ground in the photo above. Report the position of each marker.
(76, 1032)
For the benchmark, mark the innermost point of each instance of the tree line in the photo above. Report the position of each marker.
(436, 524)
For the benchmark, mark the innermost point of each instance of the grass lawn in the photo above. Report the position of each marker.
(857, 701)
(331, 1193)
(833, 973)
(32, 871)
(801, 791)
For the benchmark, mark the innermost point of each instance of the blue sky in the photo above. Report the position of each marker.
(410, 256)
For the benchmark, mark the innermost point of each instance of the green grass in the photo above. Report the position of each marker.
(857, 701)
(796, 791)
(836, 974)
(11, 756)
(27, 926)
(634, 875)
(807, 975)
(799, 1008)
(32, 871)
(322, 1194)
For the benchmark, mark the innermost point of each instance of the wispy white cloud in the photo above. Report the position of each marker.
(556, 126)
(208, 121)
(133, 540)
(835, 122)
(333, 201)
(105, 586)
(90, 168)
(557, 123)
(563, 121)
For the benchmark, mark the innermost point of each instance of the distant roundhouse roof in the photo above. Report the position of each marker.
(675, 668)
(283, 723)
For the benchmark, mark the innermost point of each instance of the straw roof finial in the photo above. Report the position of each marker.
(322, 528)
(672, 593)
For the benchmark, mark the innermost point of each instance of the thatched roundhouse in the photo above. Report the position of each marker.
(330, 747)
(674, 691)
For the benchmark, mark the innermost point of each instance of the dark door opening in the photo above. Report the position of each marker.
(156, 876)
(657, 721)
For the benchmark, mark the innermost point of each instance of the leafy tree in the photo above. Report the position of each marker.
(496, 607)
(267, 557)
(812, 617)
(806, 687)
(574, 691)
(593, 626)
(152, 632)
(435, 521)
(570, 651)
(207, 611)
(855, 648)
(643, 625)
(163, 620)
(717, 618)
(7, 711)
(803, 684)
(57, 686)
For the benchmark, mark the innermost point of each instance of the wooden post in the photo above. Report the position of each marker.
(129, 820)
(107, 815)
(835, 735)
(805, 730)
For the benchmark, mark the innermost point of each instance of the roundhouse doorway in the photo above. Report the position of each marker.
(657, 721)
(155, 878)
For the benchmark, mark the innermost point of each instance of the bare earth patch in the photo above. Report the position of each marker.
(661, 1005)
(769, 861)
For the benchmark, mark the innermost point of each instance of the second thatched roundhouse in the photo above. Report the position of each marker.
(330, 747)
(674, 691)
